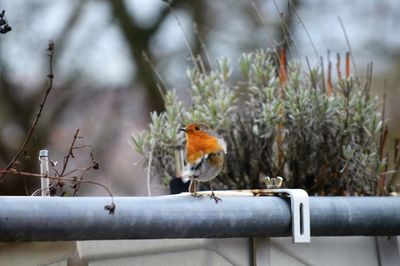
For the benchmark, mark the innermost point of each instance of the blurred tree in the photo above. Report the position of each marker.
(139, 39)
(18, 109)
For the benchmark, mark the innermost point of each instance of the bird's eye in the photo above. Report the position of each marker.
(197, 127)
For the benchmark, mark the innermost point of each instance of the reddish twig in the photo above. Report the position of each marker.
(282, 83)
(329, 78)
(339, 71)
(50, 76)
(323, 74)
(282, 69)
(347, 65)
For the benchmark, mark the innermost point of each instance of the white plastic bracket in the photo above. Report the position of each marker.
(300, 208)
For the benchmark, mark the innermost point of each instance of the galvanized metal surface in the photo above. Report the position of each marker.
(52, 218)
(350, 216)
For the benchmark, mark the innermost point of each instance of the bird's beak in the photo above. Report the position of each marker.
(182, 129)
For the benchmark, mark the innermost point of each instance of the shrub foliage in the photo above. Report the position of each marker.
(324, 142)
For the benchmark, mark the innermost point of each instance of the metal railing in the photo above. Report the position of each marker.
(183, 216)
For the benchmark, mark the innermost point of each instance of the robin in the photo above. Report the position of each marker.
(205, 153)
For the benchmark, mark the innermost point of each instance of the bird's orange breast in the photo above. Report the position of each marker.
(199, 145)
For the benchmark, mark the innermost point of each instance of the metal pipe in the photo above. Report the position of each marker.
(84, 218)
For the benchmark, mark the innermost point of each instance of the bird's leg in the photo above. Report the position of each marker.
(193, 186)
(212, 195)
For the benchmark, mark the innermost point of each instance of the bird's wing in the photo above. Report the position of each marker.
(205, 168)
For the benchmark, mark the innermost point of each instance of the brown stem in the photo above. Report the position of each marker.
(28, 137)
(347, 65)
(339, 72)
(330, 79)
(66, 159)
(282, 69)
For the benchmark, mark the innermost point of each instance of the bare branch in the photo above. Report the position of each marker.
(50, 76)
(69, 154)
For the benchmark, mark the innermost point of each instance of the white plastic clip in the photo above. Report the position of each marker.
(300, 208)
(44, 170)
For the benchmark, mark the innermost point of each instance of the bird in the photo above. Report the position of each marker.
(205, 154)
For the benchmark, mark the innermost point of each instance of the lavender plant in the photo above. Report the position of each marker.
(326, 143)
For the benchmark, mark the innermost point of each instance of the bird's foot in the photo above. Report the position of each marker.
(196, 195)
(212, 195)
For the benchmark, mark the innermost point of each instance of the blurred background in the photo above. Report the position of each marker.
(105, 87)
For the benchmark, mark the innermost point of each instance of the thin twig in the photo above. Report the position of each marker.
(201, 64)
(348, 72)
(110, 208)
(384, 129)
(396, 162)
(369, 80)
(329, 78)
(304, 27)
(149, 171)
(78, 185)
(323, 74)
(81, 171)
(69, 154)
(50, 76)
(348, 44)
(147, 59)
(282, 70)
(313, 81)
(286, 30)
(186, 39)
(262, 20)
(83, 146)
(280, 137)
(202, 44)
(339, 71)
